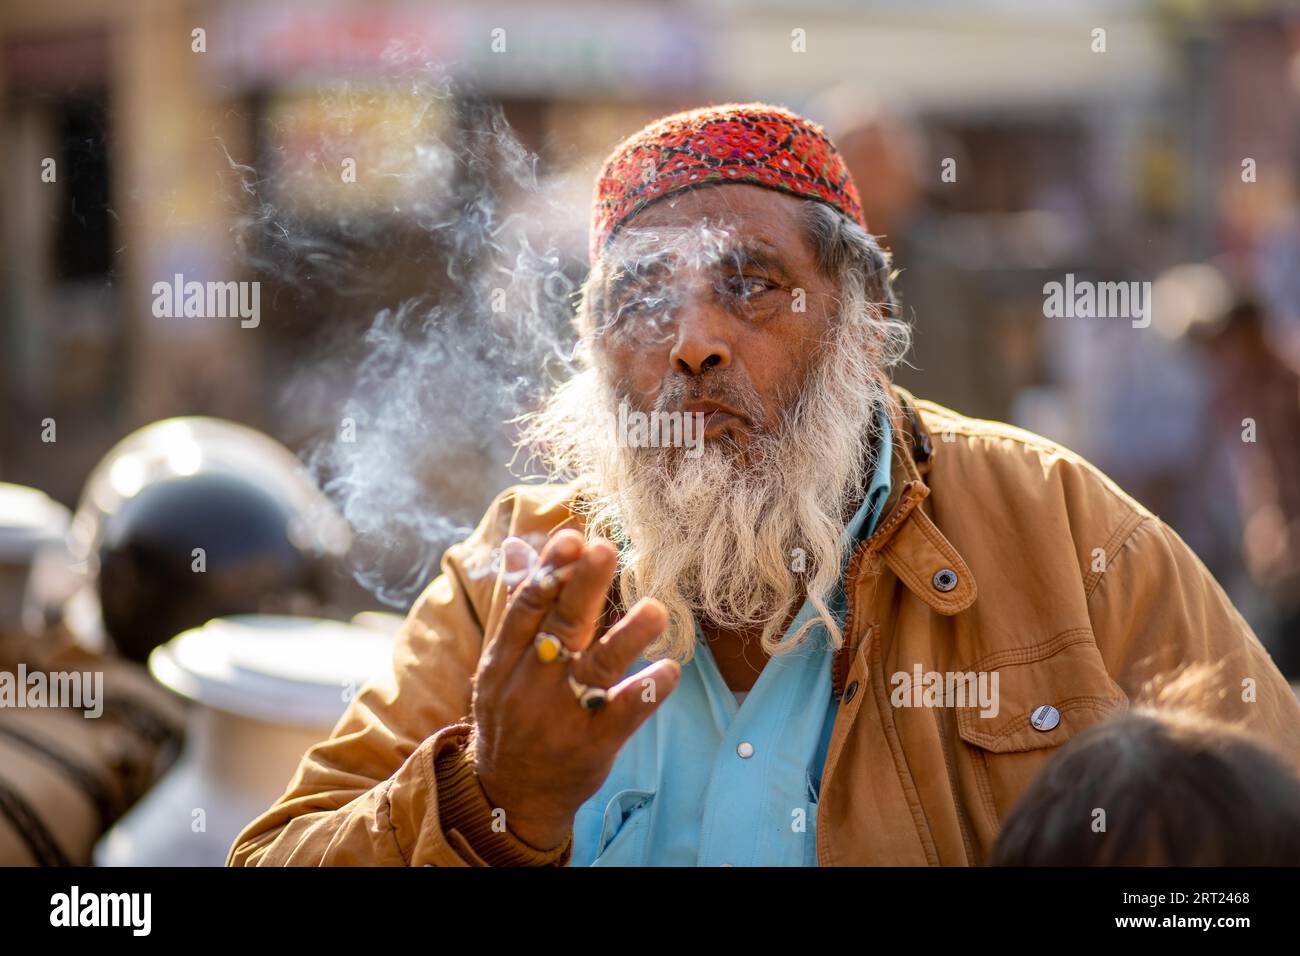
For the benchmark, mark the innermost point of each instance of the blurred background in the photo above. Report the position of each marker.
(996, 150)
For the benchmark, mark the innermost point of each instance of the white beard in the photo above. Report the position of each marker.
(735, 539)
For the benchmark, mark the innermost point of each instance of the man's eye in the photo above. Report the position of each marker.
(636, 310)
(643, 303)
(747, 287)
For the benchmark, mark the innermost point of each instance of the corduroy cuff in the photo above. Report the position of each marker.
(463, 807)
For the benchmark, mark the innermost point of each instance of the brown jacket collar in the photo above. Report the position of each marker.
(913, 547)
(906, 537)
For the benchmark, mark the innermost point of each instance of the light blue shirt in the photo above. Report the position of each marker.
(706, 781)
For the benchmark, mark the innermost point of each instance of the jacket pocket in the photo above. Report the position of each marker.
(1044, 696)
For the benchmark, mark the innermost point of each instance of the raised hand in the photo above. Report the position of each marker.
(539, 754)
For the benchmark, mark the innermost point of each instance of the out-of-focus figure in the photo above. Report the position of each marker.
(1256, 423)
(185, 520)
(1160, 785)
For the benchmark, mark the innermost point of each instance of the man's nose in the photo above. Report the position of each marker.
(701, 343)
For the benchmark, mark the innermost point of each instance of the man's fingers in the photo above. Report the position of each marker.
(573, 616)
(534, 597)
(605, 662)
(633, 700)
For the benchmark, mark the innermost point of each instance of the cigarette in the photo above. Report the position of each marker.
(550, 578)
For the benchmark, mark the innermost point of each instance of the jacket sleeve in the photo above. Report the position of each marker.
(1157, 608)
(392, 785)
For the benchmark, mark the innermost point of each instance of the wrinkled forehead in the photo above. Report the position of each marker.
(684, 250)
(712, 226)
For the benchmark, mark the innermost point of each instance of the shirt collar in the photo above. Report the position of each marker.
(864, 520)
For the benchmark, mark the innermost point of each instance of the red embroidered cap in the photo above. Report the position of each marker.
(753, 143)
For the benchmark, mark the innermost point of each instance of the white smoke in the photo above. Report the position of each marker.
(409, 415)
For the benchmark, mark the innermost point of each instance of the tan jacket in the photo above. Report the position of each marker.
(1067, 588)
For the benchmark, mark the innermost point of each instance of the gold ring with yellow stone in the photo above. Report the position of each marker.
(551, 649)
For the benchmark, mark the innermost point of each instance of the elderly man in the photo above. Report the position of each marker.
(847, 627)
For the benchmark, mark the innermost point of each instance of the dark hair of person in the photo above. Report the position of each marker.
(1157, 788)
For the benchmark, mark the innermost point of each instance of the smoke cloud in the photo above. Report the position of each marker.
(409, 409)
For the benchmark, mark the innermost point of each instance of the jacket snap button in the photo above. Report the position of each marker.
(1045, 718)
(945, 579)
(850, 691)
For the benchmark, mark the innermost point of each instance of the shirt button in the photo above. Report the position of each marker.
(1045, 718)
(850, 692)
(745, 749)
